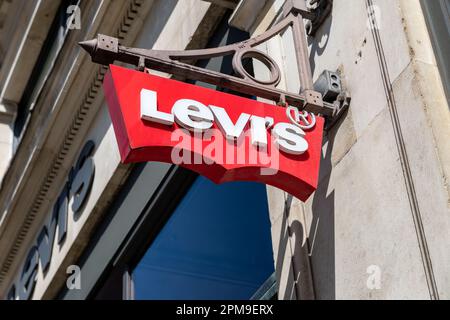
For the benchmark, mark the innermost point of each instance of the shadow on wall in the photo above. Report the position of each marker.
(312, 267)
(321, 240)
(319, 42)
(299, 284)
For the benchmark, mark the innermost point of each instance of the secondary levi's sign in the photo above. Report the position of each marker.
(221, 136)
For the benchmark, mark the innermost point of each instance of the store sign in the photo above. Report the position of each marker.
(69, 205)
(221, 136)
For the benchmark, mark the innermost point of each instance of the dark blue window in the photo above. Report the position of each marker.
(216, 245)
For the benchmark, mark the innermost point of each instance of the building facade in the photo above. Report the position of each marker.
(76, 223)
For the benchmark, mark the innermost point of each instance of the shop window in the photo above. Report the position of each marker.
(437, 16)
(216, 245)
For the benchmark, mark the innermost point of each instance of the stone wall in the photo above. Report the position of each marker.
(378, 225)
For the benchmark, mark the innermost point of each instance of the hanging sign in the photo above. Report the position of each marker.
(221, 136)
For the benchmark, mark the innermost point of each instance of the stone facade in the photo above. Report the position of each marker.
(379, 223)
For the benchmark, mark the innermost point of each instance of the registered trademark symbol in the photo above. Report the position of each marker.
(303, 119)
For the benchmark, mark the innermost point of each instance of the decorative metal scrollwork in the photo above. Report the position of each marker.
(275, 73)
(321, 9)
(105, 50)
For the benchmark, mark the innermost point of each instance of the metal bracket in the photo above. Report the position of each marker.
(321, 9)
(105, 50)
(316, 11)
(329, 84)
(341, 105)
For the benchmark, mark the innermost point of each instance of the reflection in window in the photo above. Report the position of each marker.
(216, 245)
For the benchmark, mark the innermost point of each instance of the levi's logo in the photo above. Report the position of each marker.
(221, 136)
(197, 117)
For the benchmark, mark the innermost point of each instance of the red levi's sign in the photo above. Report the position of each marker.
(221, 136)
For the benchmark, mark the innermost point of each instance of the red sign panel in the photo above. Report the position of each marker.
(221, 136)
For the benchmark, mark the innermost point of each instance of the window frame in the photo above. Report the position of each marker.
(437, 18)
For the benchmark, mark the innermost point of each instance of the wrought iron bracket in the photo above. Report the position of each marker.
(341, 105)
(321, 10)
(316, 11)
(106, 50)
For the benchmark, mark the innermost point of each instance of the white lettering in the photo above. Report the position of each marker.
(195, 116)
(192, 115)
(149, 110)
(290, 138)
(258, 127)
(230, 130)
